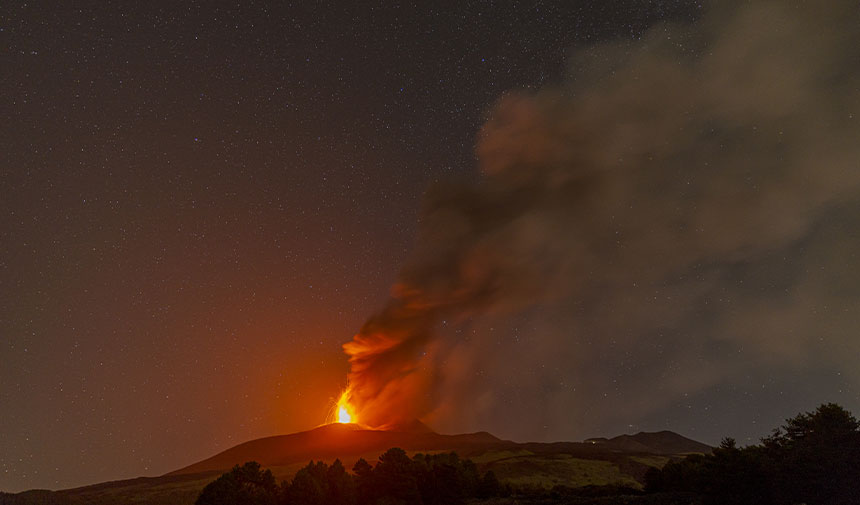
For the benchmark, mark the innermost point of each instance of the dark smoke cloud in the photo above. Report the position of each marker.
(682, 209)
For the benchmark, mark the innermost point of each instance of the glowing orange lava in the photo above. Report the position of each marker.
(343, 415)
(344, 412)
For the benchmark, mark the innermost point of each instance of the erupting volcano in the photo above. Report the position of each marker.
(390, 377)
(344, 411)
(662, 172)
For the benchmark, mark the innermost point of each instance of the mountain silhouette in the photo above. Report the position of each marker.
(542, 463)
(345, 441)
(351, 441)
(661, 442)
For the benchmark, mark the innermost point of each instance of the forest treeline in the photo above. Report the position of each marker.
(428, 479)
(814, 459)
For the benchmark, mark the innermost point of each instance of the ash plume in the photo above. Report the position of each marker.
(683, 164)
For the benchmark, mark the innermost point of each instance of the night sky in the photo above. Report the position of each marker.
(201, 202)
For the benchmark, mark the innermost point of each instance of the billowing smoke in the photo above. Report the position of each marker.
(679, 165)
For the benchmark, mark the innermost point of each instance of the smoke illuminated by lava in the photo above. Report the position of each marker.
(652, 164)
(387, 384)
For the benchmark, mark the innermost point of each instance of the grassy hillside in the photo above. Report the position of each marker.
(548, 471)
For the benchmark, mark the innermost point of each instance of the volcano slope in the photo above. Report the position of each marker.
(620, 461)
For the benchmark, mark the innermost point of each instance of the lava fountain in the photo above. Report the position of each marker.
(343, 411)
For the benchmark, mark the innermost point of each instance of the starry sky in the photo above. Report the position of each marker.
(203, 201)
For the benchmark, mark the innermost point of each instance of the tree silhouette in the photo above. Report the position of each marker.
(813, 458)
(309, 486)
(247, 484)
(364, 485)
(437, 479)
(441, 479)
(341, 487)
(817, 456)
(489, 485)
(395, 477)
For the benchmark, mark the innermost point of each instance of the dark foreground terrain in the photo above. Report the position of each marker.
(814, 458)
(621, 461)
